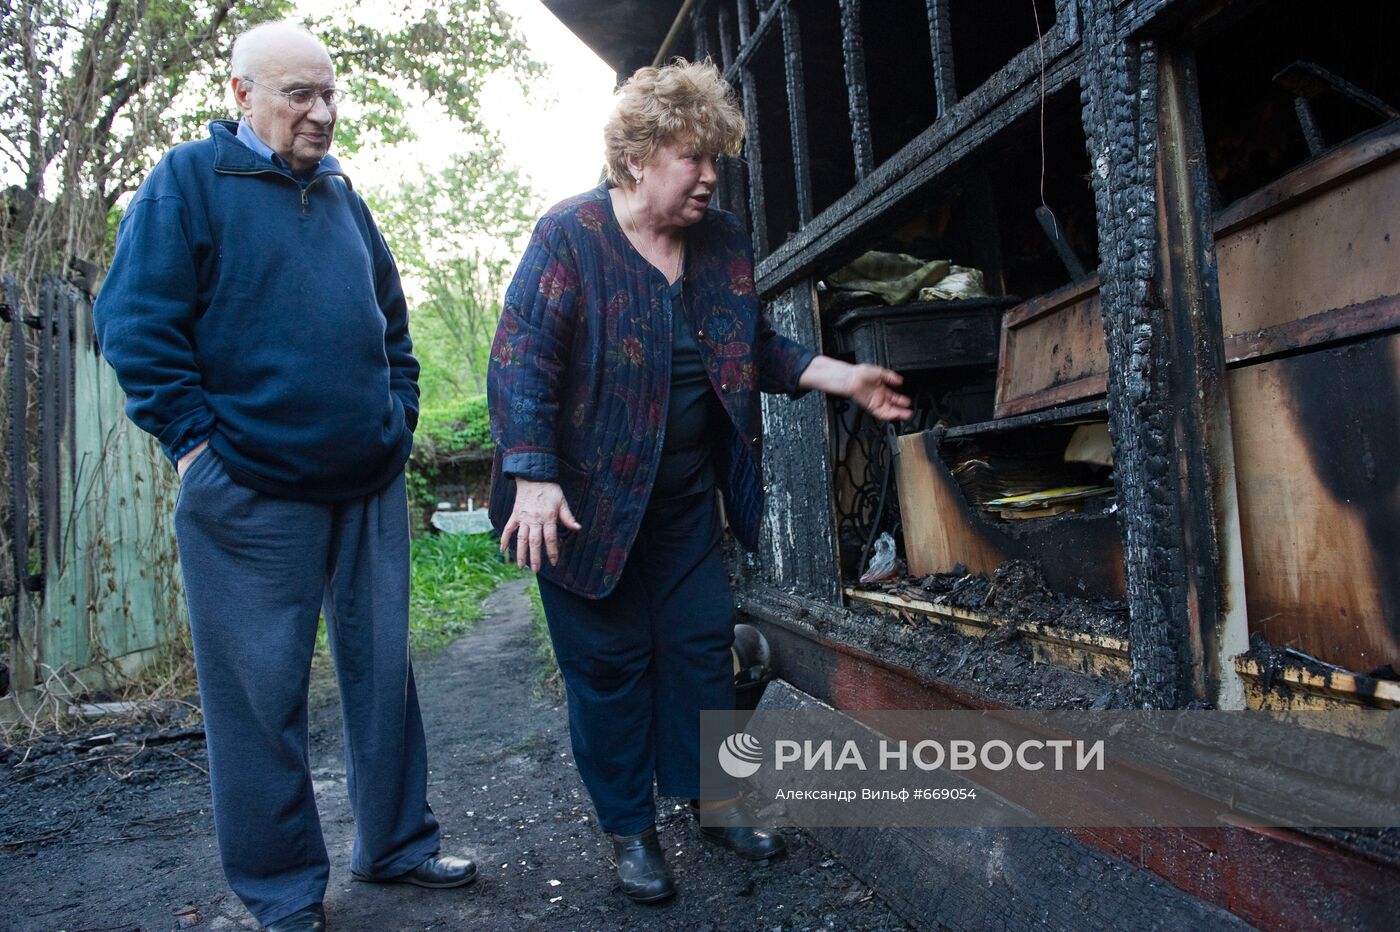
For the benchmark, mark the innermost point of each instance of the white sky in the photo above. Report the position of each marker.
(557, 138)
(555, 135)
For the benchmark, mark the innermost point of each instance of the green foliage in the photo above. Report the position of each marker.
(451, 575)
(456, 428)
(462, 426)
(454, 234)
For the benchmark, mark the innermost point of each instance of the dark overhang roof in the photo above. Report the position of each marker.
(624, 33)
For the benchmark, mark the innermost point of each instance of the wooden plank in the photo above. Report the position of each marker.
(799, 544)
(1332, 247)
(939, 528)
(1314, 691)
(1306, 261)
(1053, 351)
(1367, 155)
(1198, 404)
(1091, 654)
(1332, 326)
(1070, 414)
(797, 115)
(1317, 454)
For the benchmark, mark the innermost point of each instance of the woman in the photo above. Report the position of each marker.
(624, 388)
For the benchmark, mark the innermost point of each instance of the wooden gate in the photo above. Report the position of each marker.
(91, 588)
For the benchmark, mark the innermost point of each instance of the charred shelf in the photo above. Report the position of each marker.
(1095, 410)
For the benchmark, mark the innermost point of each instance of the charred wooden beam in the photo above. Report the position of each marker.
(857, 87)
(1067, 413)
(1119, 88)
(768, 21)
(699, 35)
(799, 547)
(745, 24)
(726, 36)
(940, 33)
(753, 156)
(1199, 395)
(797, 114)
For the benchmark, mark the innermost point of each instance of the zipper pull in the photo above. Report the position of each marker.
(305, 201)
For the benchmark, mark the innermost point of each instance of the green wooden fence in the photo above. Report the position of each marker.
(95, 591)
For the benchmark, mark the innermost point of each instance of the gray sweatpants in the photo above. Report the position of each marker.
(258, 570)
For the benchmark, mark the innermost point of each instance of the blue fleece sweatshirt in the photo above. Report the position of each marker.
(265, 312)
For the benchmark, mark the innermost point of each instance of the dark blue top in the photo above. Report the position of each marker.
(265, 313)
(685, 452)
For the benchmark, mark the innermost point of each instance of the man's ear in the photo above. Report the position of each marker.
(241, 90)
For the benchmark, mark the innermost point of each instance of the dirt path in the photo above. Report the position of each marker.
(138, 853)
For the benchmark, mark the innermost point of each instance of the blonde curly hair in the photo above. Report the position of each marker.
(683, 100)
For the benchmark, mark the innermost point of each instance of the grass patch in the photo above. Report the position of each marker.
(551, 681)
(450, 575)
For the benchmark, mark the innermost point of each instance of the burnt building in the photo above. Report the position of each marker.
(1157, 449)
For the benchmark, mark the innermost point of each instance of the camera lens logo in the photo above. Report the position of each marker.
(740, 755)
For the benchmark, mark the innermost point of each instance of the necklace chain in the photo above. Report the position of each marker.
(680, 259)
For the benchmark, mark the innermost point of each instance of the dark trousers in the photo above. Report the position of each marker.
(258, 571)
(640, 664)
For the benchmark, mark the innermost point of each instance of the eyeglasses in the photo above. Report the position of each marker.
(304, 98)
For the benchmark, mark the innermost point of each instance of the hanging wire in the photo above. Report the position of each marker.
(1040, 47)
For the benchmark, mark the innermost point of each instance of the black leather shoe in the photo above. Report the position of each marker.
(728, 829)
(310, 919)
(641, 867)
(436, 873)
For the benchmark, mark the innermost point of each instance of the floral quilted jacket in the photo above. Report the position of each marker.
(580, 375)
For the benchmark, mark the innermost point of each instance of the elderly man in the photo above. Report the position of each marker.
(255, 318)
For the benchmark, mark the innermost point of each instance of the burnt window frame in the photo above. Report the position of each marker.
(735, 32)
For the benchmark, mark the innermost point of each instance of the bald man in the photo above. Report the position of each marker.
(255, 318)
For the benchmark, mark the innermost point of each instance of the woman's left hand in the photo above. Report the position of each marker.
(873, 388)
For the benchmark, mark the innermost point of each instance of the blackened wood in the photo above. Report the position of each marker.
(727, 44)
(1272, 878)
(799, 543)
(20, 634)
(1119, 89)
(1056, 235)
(1084, 411)
(797, 114)
(1308, 124)
(857, 88)
(768, 21)
(753, 156)
(833, 235)
(699, 35)
(940, 33)
(1195, 371)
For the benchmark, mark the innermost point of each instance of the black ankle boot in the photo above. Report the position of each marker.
(641, 867)
(727, 828)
